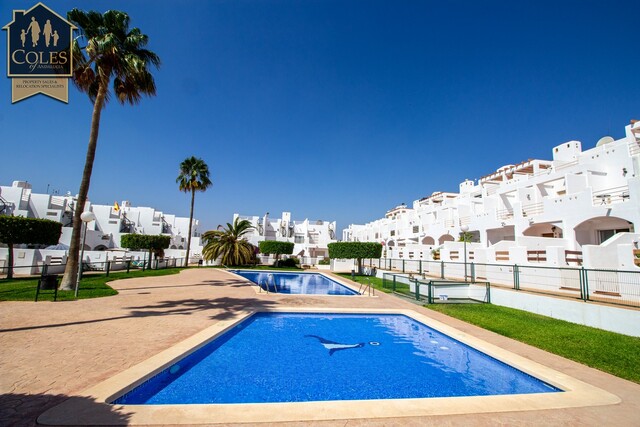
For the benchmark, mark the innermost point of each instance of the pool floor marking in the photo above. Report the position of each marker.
(334, 346)
(91, 407)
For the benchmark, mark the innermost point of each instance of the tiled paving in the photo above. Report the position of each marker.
(49, 351)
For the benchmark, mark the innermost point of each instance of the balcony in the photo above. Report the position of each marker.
(611, 196)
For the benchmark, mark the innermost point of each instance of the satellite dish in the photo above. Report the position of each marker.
(604, 140)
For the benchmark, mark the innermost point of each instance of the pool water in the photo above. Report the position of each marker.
(300, 357)
(295, 283)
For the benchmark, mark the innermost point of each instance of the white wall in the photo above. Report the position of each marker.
(621, 320)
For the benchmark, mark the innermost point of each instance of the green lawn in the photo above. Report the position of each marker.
(375, 281)
(91, 286)
(607, 351)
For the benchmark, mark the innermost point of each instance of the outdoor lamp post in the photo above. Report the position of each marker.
(86, 217)
(464, 230)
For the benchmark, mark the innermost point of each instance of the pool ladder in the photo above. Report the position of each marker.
(366, 287)
(266, 284)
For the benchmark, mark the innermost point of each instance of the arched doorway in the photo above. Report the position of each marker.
(445, 238)
(428, 240)
(595, 231)
(544, 229)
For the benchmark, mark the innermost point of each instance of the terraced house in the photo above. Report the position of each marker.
(580, 208)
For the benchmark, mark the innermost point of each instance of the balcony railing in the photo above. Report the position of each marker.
(532, 209)
(504, 214)
(611, 196)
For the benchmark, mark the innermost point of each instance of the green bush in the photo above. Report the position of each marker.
(155, 244)
(144, 241)
(15, 230)
(355, 250)
(289, 262)
(274, 247)
(325, 261)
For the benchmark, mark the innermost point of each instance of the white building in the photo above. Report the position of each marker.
(112, 221)
(582, 205)
(310, 238)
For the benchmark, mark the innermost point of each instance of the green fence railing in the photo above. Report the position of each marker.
(621, 287)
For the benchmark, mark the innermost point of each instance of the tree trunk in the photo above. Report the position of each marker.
(193, 197)
(10, 261)
(71, 270)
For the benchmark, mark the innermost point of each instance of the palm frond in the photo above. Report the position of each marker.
(112, 51)
(228, 245)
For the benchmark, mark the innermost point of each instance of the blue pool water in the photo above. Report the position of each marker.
(296, 283)
(299, 357)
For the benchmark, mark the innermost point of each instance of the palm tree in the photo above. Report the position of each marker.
(194, 176)
(112, 51)
(229, 244)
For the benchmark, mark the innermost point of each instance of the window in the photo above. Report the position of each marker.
(299, 238)
(416, 228)
(607, 234)
(393, 232)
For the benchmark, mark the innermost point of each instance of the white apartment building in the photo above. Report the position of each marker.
(310, 238)
(580, 205)
(112, 221)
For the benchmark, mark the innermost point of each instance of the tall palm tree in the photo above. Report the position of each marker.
(112, 52)
(229, 244)
(194, 176)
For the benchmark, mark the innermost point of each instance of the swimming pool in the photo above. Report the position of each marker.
(92, 406)
(295, 283)
(302, 357)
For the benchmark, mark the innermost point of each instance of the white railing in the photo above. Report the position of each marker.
(564, 165)
(611, 196)
(504, 213)
(532, 209)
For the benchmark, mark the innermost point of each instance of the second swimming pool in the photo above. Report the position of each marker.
(295, 283)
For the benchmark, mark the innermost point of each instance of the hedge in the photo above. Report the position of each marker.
(355, 250)
(155, 243)
(276, 248)
(34, 231)
(145, 241)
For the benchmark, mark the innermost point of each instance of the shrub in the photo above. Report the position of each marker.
(19, 230)
(355, 250)
(325, 261)
(289, 262)
(276, 248)
(155, 244)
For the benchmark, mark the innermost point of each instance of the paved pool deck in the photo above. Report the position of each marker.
(52, 351)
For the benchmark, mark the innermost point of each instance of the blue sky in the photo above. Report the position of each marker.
(334, 110)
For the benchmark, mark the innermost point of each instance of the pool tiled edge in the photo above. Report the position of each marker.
(78, 410)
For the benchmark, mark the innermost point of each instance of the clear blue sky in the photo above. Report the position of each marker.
(334, 110)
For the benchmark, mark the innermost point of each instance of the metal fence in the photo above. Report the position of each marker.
(621, 287)
(94, 268)
(48, 274)
(304, 260)
(432, 291)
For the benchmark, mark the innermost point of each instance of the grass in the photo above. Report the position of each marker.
(607, 351)
(375, 281)
(91, 286)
